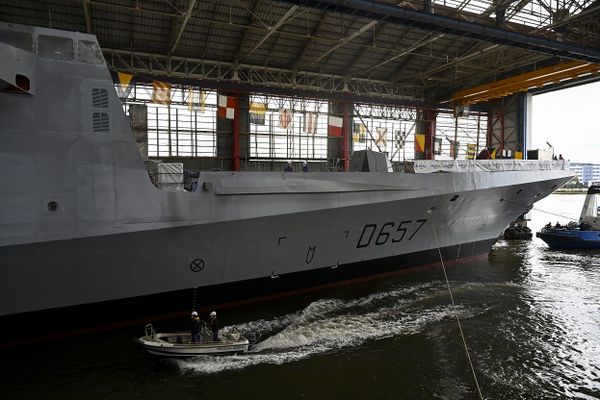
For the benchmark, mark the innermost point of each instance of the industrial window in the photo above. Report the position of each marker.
(468, 130)
(56, 48)
(384, 128)
(288, 128)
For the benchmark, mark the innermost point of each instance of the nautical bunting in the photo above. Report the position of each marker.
(471, 150)
(285, 118)
(335, 126)
(360, 133)
(125, 85)
(310, 123)
(437, 149)
(257, 113)
(203, 96)
(400, 139)
(191, 99)
(226, 107)
(454, 149)
(419, 143)
(161, 93)
(381, 137)
(196, 101)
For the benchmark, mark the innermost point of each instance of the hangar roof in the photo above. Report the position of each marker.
(392, 51)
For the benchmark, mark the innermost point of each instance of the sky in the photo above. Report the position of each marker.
(569, 120)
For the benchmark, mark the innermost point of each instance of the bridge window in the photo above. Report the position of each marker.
(55, 48)
(21, 40)
(89, 52)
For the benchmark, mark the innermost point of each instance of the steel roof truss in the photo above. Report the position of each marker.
(197, 69)
(441, 23)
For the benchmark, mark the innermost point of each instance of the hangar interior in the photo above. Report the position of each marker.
(251, 84)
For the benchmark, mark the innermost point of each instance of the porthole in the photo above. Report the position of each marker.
(52, 206)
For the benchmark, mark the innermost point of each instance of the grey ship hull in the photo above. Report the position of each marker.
(150, 273)
(83, 230)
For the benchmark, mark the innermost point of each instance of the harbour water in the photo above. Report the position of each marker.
(531, 318)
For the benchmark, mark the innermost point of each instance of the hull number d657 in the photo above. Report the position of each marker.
(404, 230)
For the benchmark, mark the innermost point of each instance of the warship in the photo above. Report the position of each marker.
(87, 240)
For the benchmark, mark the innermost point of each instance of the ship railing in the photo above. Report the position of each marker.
(428, 166)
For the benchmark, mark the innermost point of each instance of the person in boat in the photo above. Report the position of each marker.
(195, 327)
(548, 225)
(214, 325)
(557, 226)
(288, 167)
(304, 166)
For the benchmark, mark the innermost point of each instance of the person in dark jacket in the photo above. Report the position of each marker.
(304, 166)
(195, 327)
(214, 325)
(288, 167)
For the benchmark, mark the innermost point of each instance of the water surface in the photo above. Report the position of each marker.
(531, 318)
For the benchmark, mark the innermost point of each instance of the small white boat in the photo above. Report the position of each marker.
(178, 344)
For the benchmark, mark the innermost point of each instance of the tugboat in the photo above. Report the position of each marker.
(582, 235)
(518, 230)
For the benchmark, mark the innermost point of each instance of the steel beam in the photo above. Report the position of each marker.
(476, 54)
(516, 9)
(405, 52)
(87, 13)
(258, 79)
(345, 40)
(247, 31)
(443, 24)
(361, 54)
(524, 82)
(309, 40)
(186, 18)
(272, 30)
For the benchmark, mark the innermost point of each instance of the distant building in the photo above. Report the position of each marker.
(587, 172)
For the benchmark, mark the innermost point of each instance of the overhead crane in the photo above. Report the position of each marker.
(523, 82)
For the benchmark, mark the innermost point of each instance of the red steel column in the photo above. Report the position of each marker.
(236, 136)
(345, 137)
(425, 129)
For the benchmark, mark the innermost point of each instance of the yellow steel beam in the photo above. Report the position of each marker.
(534, 83)
(523, 82)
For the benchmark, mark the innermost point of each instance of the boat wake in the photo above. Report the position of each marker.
(329, 325)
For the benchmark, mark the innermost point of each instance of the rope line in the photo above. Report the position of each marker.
(540, 210)
(556, 215)
(462, 335)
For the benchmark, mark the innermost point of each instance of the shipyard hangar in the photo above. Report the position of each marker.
(313, 81)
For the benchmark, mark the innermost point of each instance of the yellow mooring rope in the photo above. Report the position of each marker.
(462, 335)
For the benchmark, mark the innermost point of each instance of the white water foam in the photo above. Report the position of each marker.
(332, 324)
